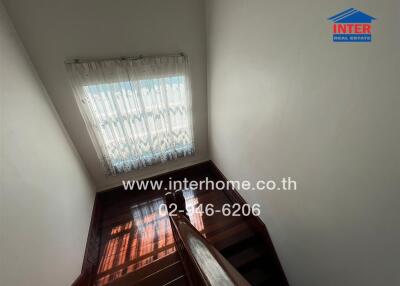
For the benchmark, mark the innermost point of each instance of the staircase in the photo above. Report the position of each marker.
(137, 245)
(238, 244)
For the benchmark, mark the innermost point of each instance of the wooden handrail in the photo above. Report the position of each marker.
(203, 263)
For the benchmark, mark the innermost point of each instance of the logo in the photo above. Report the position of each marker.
(351, 25)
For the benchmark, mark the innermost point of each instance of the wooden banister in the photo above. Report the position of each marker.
(203, 263)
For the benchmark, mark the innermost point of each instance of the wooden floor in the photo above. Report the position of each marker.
(137, 240)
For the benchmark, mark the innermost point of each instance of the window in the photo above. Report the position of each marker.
(138, 112)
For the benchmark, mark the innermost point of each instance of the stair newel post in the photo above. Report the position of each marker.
(181, 203)
(169, 201)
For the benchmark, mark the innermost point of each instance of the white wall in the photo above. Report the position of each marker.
(53, 31)
(46, 195)
(286, 101)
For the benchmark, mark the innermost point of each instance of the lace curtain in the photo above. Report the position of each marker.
(137, 111)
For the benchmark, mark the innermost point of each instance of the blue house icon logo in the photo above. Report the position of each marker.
(351, 25)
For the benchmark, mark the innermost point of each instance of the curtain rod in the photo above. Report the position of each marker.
(76, 61)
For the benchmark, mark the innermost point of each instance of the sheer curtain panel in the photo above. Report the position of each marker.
(138, 111)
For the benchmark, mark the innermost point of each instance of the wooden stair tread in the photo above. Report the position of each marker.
(244, 257)
(146, 271)
(179, 281)
(161, 276)
(231, 236)
(263, 271)
(257, 277)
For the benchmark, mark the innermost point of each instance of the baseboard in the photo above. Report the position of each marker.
(92, 250)
(162, 172)
(232, 194)
(254, 222)
(187, 170)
